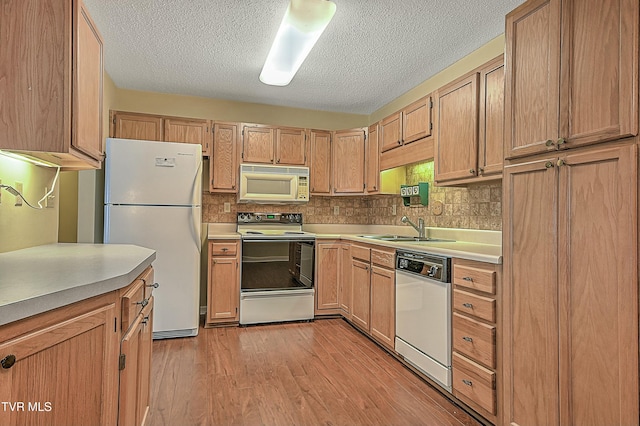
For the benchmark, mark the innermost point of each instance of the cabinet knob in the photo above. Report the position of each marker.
(481, 169)
(561, 141)
(399, 142)
(549, 142)
(467, 339)
(561, 163)
(467, 382)
(8, 361)
(472, 171)
(467, 279)
(467, 305)
(144, 302)
(154, 285)
(548, 164)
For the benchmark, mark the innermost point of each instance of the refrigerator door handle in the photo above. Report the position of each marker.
(195, 220)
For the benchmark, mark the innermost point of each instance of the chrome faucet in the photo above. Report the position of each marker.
(419, 228)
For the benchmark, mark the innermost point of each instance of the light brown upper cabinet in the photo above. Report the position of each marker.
(291, 146)
(372, 160)
(413, 123)
(273, 145)
(131, 125)
(574, 74)
(470, 117)
(348, 152)
(51, 69)
(150, 127)
(457, 129)
(320, 170)
(223, 162)
(188, 131)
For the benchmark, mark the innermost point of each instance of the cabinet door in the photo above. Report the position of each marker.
(328, 267)
(599, 79)
(223, 292)
(391, 132)
(87, 98)
(188, 131)
(223, 166)
(131, 352)
(416, 120)
(598, 287)
(383, 306)
(530, 294)
(373, 160)
(345, 296)
(457, 130)
(361, 293)
(257, 144)
(491, 132)
(66, 371)
(348, 162)
(291, 147)
(137, 126)
(320, 169)
(532, 85)
(146, 344)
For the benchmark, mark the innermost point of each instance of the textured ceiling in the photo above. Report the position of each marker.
(371, 53)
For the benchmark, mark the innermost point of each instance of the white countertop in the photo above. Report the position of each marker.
(42, 278)
(470, 244)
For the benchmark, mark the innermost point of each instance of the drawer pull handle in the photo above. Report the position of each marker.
(144, 302)
(467, 305)
(467, 382)
(154, 285)
(8, 361)
(467, 339)
(224, 249)
(467, 279)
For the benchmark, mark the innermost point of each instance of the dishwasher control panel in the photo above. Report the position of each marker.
(427, 265)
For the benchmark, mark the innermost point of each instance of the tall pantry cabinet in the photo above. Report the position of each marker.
(570, 213)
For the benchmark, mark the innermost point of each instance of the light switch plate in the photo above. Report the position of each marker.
(227, 207)
(336, 210)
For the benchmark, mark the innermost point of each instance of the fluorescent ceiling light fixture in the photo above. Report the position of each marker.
(303, 23)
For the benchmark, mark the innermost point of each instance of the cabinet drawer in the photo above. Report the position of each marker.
(228, 248)
(473, 304)
(478, 278)
(132, 303)
(383, 258)
(474, 339)
(360, 252)
(473, 381)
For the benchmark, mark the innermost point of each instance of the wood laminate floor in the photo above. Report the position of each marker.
(318, 373)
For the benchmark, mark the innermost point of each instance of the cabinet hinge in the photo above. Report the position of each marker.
(430, 126)
(364, 185)
(115, 325)
(430, 104)
(114, 120)
(123, 361)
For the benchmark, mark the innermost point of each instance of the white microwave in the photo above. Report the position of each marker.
(273, 184)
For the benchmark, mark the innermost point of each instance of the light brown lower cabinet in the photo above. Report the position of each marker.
(61, 367)
(373, 307)
(223, 289)
(571, 288)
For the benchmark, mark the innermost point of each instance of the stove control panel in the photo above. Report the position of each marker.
(295, 218)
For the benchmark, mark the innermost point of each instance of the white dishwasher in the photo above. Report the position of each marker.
(423, 313)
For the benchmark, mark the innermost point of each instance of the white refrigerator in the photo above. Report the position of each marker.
(153, 195)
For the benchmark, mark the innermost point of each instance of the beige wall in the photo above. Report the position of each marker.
(22, 227)
(476, 58)
(219, 109)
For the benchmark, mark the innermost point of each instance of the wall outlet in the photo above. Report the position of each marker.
(393, 210)
(50, 201)
(336, 210)
(19, 189)
(227, 207)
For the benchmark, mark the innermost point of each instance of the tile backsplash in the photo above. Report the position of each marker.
(477, 206)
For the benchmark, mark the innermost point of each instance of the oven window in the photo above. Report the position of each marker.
(276, 265)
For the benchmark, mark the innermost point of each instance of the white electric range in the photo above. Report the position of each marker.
(277, 268)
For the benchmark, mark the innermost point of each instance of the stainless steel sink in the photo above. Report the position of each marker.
(400, 238)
